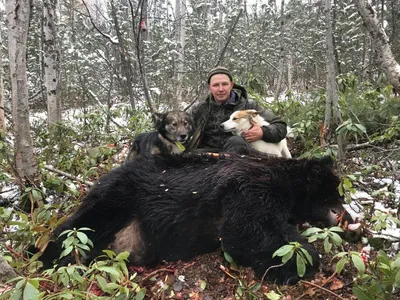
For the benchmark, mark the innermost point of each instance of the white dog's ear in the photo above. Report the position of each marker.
(254, 114)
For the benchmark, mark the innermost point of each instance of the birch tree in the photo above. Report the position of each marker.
(18, 12)
(332, 94)
(2, 108)
(380, 40)
(180, 7)
(51, 62)
(281, 54)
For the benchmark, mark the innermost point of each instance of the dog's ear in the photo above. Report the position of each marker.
(158, 118)
(254, 114)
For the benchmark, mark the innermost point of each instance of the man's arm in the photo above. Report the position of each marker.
(277, 129)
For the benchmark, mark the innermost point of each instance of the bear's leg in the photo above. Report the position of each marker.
(254, 244)
(105, 221)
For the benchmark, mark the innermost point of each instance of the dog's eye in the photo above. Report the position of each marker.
(234, 119)
(174, 124)
(185, 123)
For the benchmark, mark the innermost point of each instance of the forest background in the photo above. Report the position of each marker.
(79, 79)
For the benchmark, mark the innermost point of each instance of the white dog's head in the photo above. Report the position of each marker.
(239, 121)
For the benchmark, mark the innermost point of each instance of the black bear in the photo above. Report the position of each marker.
(176, 207)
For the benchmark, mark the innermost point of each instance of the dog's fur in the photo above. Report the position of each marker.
(239, 122)
(174, 130)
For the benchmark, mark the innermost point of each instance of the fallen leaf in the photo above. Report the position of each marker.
(336, 284)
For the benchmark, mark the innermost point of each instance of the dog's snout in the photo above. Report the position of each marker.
(222, 126)
(183, 136)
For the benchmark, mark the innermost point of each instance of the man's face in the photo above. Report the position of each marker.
(220, 87)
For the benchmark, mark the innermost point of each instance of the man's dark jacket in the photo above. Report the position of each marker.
(208, 115)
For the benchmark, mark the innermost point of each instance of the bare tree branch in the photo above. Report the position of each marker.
(70, 176)
(139, 59)
(228, 39)
(107, 36)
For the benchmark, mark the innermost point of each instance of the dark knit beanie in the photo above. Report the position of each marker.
(219, 70)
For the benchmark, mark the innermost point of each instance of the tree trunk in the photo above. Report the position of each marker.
(18, 12)
(332, 94)
(180, 6)
(2, 108)
(126, 68)
(381, 43)
(51, 62)
(282, 54)
(290, 71)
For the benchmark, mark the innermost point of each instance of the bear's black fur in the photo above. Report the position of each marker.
(176, 207)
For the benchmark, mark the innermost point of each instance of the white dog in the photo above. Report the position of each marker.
(239, 122)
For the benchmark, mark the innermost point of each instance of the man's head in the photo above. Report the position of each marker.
(220, 84)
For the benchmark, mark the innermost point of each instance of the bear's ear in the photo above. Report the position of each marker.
(327, 161)
(158, 118)
(316, 165)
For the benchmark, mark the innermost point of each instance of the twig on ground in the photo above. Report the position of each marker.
(322, 288)
(330, 278)
(155, 272)
(223, 269)
(266, 271)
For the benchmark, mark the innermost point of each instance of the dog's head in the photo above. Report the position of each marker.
(239, 121)
(176, 126)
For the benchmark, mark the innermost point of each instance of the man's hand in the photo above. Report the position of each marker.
(255, 133)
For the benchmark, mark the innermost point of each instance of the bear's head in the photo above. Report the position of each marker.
(322, 201)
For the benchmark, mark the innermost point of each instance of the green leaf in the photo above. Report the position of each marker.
(83, 247)
(66, 252)
(109, 270)
(109, 253)
(283, 250)
(122, 256)
(30, 292)
(287, 256)
(36, 194)
(16, 295)
(336, 229)
(239, 291)
(228, 257)
(358, 263)
(68, 241)
(301, 266)
(102, 282)
(397, 279)
(340, 264)
(311, 230)
(85, 229)
(256, 287)
(327, 246)
(361, 128)
(273, 296)
(337, 240)
(140, 295)
(82, 237)
(396, 263)
(362, 295)
(203, 285)
(307, 255)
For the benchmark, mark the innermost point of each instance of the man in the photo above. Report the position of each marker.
(226, 97)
